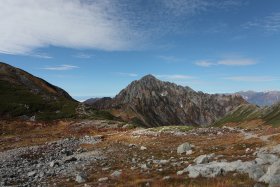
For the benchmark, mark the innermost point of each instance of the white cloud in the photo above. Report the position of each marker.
(31, 24)
(128, 74)
(237, 62)
(252, 78)
(175, 77)
(63, 67)
(205, 63)
(94, 24)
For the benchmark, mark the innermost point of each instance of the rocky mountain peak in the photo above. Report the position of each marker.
(157, 103)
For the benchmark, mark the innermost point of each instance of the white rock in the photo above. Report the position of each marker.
(142, 148)
(189, 152)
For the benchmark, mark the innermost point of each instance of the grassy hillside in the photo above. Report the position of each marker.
(243, 113)
(17, 100)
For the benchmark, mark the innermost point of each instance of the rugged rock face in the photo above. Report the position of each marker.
(261, 98)
(24, 94)
(157, 103)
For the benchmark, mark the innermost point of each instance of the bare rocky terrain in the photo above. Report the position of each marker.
(110, 153)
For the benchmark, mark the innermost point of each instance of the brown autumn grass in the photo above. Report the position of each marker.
(232, 146)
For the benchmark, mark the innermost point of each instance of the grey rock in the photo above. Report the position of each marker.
(80, 178)
(273, 173)
(183, 148)
(202, 159)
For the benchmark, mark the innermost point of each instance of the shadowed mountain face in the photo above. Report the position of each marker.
(24, 94)
(261, 98)
(155, 103)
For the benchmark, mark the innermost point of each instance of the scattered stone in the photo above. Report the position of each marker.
(103, 179)
(166, 178)
(54, 163)
(31, 173)
(144, 167)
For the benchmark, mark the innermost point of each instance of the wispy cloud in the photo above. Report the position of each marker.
(41, 55)
(83, 55)
(63, 67)
(237, 62)
(227, 62)
(252, 78)
(205, 63)
(170, 58)
(270, 23)
(175, 77)
(127, 74)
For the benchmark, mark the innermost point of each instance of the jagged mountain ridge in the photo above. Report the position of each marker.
(156, 103)
(261, 98)
(25, 94)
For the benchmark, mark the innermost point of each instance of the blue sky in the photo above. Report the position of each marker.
(94, 48)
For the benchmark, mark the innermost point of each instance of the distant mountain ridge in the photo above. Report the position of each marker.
(24, 94)
(261, 98)
(156, 103)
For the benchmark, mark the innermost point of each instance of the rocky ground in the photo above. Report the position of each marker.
(108, 153)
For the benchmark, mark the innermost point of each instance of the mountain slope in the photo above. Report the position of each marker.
(245, 113)
(152, 102)
(24, 94)
(261, 98)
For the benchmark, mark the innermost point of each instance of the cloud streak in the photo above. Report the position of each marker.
(64, 67)
(270, 23)
(227, 62)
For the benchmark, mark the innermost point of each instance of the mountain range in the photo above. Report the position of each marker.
(261, 98)
(146, 102)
